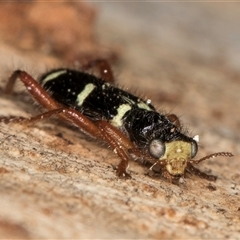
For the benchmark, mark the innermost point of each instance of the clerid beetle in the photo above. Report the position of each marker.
(130, 125)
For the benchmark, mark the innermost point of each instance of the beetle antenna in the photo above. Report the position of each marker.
(213, 155)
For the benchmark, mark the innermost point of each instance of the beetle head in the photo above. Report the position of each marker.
(174, 155)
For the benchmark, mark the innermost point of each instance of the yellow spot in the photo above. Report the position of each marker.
(122, 109)
(54, 75)
(128, 100)
(85, 93)
(143, 105)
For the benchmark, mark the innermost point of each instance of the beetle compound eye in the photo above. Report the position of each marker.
(156, 148)
(194, 149)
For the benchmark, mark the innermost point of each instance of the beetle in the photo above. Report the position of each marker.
(130, 125)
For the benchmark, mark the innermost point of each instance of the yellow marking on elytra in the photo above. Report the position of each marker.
(53, 76)
(140, 103)
(85, 93)
(105, 85)
(143, 105)
(117, 120)
(128, 100)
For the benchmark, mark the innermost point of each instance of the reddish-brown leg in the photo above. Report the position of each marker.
(104, 69)
(101, 130)
(33, 88)
(120, 144)
(192, 170)
(142, 157)
(50, 104)
(174, 119)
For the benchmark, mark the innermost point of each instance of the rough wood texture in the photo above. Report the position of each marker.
(56, 183)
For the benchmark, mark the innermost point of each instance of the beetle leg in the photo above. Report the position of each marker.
(175, 120)
(120, 144)
(43, 98)
(103, 67)
(192, 170)
(142, 156)
(33, 87)
(101, 130)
